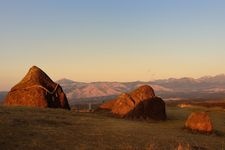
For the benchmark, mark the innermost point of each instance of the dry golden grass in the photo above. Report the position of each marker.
(31, 128)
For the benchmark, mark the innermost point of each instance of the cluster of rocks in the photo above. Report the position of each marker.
(142, 103)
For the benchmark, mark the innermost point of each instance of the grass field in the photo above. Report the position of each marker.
(24, 128)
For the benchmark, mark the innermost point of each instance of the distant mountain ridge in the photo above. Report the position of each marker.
(207, 87)
(172, 88)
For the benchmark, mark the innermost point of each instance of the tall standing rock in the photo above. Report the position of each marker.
(37, 90)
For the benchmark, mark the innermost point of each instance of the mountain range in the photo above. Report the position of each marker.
(207, 87)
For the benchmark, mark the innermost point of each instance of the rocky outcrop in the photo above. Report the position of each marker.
(140, 103)
(37, 90)
(199, 121)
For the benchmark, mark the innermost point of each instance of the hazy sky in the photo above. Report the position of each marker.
(111, 40)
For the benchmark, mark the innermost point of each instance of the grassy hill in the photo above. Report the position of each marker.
(31, 128)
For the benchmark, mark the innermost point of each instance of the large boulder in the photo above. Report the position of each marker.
(140, 103)
(37, 90)
(199, 121)
(139, 94)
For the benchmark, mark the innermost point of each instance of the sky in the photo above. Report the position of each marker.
(111, 40)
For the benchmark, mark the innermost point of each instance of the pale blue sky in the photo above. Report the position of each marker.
(111, 40)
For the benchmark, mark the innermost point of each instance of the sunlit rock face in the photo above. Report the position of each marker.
(37, 90)
(199, 121)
